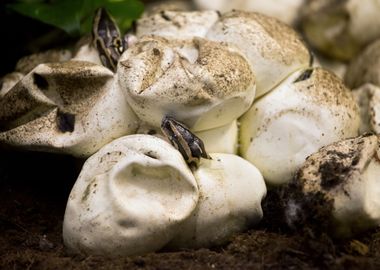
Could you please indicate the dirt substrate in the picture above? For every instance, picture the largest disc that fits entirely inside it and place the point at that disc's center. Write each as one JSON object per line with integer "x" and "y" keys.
{"x": 33, "y": 192}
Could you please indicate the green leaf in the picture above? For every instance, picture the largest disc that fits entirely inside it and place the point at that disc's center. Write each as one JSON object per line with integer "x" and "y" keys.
{"x": 63, "y": 14}
{"x": 123, "y": 11}
{"x": 75, "y": 16}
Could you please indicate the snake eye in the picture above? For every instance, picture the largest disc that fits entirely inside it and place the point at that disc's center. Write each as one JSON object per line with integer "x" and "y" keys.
{"x": 119, "y": 45}
{"x": 188, "y": 144}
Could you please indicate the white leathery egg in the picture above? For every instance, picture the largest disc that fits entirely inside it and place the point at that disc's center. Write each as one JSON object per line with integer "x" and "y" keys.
{"x": 29, "y": 62}
{"x": 231, "y": 190}
{"x": 176, "y": 24}
{"x": 365, "y": 68}
{"x": 368, "y": 98}
{"x": 200, "y": 83}
{"x": 343, "y": 181}
{"x": 308, "y": 110}
{"x": 87, "y": 52}
{"x": 222, "y": 139}
{"x": 8, "y": 81}
{"x": 73, "y": 107}
{"x": 153, "y": 7}
{"x": 131, "y": 197}
{"x": 273, "y": 49}
{"x": 363, "y": 76}
{"x": 284, "y": 10}
{"x": 335, "y": 66}
{"x": 340, "y": 29}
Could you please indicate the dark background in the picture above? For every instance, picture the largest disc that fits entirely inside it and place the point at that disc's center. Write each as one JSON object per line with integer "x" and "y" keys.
{"x": 20, "y": 36}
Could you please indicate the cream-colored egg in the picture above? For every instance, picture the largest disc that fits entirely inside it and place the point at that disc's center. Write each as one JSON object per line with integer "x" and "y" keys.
{"x": 8, "y": 81}
{"x": 337, "y": 67}
{"x": 221, "y": 140}
{"x": 365, "y": 68}
{"x": 231, "y": 190}
{"x": 341, "y": 29}
{"x": 368, "y": 99}
{"x": 87, "y": 52}
{"x": 201, "y": 83}
{"x": 131, "y": 197}
{"x": 176, "y": 24}
{"x": 345, "y": 179}
{"x": 27, "y": 63}
{"x": 73, "y": 107}
{"x": 273, "y": 49}
{"x": 157, "y": 6}
{"x": 308, "y": 110}
{"x": 286, "y": 11}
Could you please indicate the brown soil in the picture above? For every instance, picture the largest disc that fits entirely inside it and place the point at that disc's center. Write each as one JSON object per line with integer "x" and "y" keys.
{"x": 33, "y": 192}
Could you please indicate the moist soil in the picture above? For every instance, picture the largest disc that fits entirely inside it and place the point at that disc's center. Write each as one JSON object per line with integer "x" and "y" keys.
{"x": 34, "y": 188}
